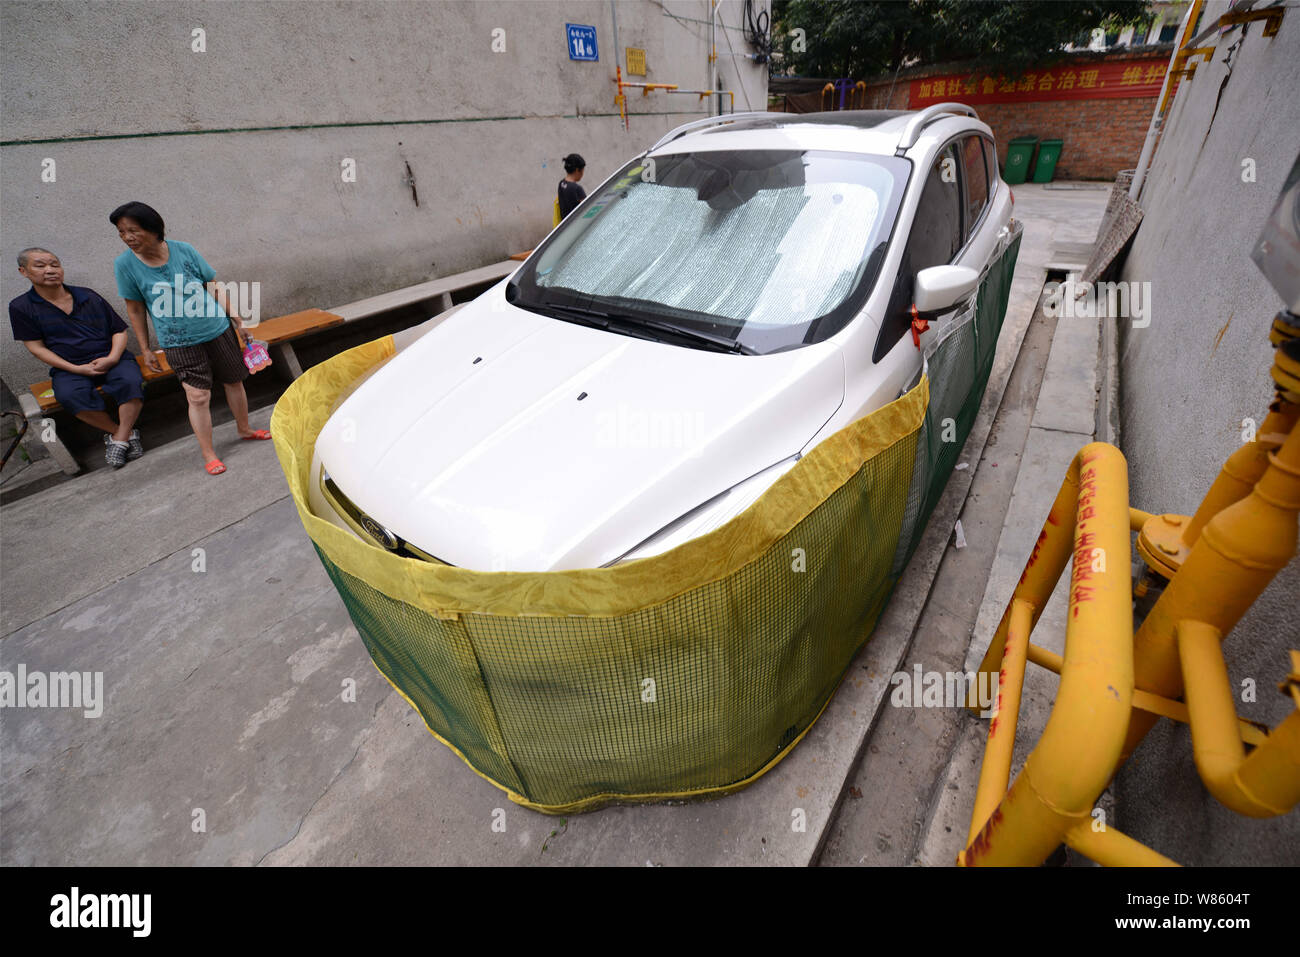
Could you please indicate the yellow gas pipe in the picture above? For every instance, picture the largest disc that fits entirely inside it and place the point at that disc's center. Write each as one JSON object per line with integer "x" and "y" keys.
{"x": 1233, "y": 559}
{"x": 1244, "y": 532}
{"x": 1052, "y": 799}
{"x": 1267, "y": 783}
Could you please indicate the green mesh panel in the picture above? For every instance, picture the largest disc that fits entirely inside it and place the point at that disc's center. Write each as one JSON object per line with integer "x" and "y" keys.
{"x": 741, "y": 667}
{"x": 959, "y": 373}
{"x": 558, "y": 710}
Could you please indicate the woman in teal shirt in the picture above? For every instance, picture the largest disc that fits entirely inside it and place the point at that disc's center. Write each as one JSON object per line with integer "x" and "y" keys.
{"x": 191, "y": 316}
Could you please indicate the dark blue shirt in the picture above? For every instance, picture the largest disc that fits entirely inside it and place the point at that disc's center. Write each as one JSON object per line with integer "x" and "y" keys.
{"x": 86, "y": 334}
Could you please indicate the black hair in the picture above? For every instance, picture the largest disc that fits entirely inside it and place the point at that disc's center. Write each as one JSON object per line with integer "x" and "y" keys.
{"x": 146, "y": 216}
{"x": 574, "y": 162}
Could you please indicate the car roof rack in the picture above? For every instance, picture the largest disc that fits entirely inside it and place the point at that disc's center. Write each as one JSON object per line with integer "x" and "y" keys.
{"x": 931, "y": 114}
{"x": 700, "y": 124}
{"x": 862, "y": 118}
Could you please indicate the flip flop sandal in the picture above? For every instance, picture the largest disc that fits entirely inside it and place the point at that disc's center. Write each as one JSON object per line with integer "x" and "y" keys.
{"x": 215, "y": 467}
{"x": 257, "y": 434}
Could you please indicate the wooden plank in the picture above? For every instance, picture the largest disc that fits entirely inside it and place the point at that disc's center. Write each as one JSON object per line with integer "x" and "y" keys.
{"x": 149, "y": 374}
{"x": 424, "y": 290}
{"x": 43, "y": 392}
{"x": 295, "y": 324}
{"x": 520, "y": 257}
{"x": 272, "y": 332}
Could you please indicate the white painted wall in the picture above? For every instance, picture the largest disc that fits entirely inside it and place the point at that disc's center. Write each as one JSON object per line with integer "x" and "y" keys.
{"x": 240, "y": 147}
{"x": 1192, "y": 376}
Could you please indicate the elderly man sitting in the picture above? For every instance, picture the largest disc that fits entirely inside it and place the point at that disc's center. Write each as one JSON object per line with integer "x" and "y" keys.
{"x": 83, "y": 340}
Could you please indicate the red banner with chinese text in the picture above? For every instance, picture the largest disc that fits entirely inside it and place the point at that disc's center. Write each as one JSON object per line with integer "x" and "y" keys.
{"x": 1084, "y": 81}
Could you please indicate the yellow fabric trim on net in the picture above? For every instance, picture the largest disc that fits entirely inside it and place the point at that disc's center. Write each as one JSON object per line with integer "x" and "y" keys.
{"x": 477, "y": 683}
{"x": 304, "y": 408}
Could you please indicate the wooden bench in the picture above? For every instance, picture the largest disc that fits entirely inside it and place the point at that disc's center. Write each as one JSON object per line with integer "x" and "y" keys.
{"x": 277, "y": 332}
{"x": 39, "y": 402}
{"x": 436, "y": 292}
{"x": 44, "y": 391}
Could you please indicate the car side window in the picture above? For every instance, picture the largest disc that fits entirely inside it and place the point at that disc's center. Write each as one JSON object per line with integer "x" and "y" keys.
{"x": 991, "y": 163}
{"x": 934, "y": 240}
{"x": 977, "y": 181}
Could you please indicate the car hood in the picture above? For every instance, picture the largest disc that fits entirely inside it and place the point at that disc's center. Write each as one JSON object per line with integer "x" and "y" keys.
{"x": 507, "y": 440}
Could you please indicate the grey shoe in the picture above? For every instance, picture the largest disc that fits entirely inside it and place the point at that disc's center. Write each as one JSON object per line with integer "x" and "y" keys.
{"x": 115, "y": 451}
{"x": 137, "y": 447}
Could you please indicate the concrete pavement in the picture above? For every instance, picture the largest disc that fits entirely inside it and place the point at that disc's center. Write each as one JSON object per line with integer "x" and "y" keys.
{"x": 918, "y": 771}
{"x": 244, "y": 722}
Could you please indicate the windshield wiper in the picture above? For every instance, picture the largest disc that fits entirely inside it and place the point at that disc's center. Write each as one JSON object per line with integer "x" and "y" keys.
{"x": 721, "y": 343}
{"x": 584, "y": 317}
{"x": 603, "y": 320}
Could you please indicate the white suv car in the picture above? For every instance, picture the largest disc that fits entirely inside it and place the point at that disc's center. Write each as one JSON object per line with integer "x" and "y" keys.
{"x": 724, "y": 302}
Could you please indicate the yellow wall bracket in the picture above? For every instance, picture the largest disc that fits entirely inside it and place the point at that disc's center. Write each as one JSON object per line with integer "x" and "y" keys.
{"x": 1271, "y": 15}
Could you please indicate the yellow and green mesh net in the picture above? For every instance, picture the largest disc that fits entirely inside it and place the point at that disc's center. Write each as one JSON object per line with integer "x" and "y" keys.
{"x": 686, "y": 674}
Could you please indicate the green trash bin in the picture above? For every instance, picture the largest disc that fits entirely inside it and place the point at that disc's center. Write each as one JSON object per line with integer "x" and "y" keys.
{"x": 1020, "y": 151}
{"x": 1049, "y": 151}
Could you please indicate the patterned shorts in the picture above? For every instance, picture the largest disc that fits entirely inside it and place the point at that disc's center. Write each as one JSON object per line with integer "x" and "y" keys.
{"x": 220, "y": 357}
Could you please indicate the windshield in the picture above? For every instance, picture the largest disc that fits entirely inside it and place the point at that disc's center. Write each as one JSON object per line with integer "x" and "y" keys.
{"x": 764, "y": 250}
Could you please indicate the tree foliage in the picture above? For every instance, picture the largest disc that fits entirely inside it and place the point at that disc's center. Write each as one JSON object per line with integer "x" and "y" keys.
{"x": 861, "y": 38}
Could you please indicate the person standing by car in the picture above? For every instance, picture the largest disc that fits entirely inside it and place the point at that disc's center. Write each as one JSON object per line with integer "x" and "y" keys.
{"x": 82, "y": 339}
{"x": 571, "y": 194}
{"x": 191, "y": 316}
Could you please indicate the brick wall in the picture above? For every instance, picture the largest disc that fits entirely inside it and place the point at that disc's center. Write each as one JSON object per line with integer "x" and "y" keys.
{"x": 1101, "y": 137}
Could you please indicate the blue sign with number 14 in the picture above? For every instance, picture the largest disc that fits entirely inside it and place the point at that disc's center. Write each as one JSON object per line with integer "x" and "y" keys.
{"x": 582, "y": 42}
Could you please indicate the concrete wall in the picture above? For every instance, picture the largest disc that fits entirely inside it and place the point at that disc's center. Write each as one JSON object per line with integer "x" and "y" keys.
{"x": 1188, "y": 381}
{"x": 240, "y": 147}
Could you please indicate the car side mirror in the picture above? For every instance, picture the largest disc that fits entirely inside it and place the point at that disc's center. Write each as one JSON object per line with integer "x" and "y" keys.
{"x": 942, "y": 287}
